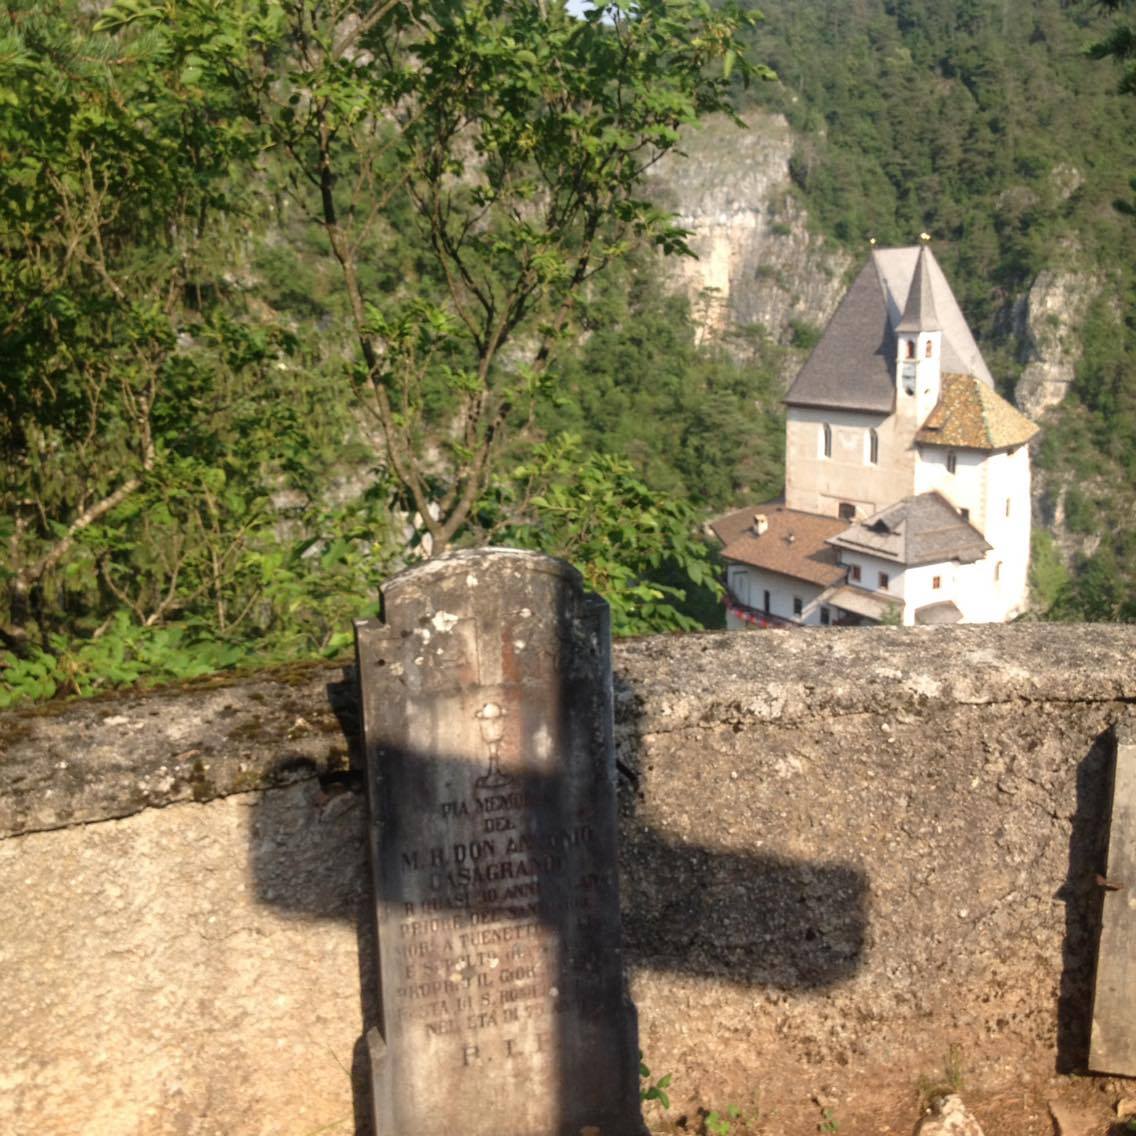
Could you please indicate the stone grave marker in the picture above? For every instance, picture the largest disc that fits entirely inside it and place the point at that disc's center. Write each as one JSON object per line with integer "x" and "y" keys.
{"x": 1113, "y": 1041}
{"x": 487, "y": 715}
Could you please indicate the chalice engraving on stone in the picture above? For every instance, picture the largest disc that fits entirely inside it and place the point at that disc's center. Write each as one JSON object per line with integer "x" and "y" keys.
{"x": 492, "y": 720}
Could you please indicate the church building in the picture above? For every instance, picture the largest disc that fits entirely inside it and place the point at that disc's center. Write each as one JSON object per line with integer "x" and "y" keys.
{"x": 907, "y": 480}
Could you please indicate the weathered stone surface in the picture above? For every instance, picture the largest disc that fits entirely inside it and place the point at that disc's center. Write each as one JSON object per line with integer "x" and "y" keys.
{"x": 488, "y": 718}
{"x": 74, "y": 762}
{"x": 842, "y": 851}
{"x": 848, "y": 850}
{"x": 1047, "y": 321}
{"x": 191, "y": 971}
{"x": 757, "y": 266}
{"x": 949, "y": 1117}
{"x": 1069, "y": 1120}
{"x": 1113, "y": 1046}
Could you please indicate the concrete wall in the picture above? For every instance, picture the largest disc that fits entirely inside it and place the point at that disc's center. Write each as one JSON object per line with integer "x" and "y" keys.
{"x": 842, "y": 852}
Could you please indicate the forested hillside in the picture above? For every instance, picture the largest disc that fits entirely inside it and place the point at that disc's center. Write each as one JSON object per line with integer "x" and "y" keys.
{"x": 292, "y": 295}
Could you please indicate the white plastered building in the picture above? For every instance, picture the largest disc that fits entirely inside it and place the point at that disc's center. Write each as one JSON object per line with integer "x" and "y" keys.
{"x": 907, "y": 482}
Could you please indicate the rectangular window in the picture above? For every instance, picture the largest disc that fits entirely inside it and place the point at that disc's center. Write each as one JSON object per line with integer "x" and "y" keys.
{"x": 826, "y": 440}
{"x": 952, "y": 461}
{"x": 825, "y": 616}
{"x": 883, "y": 581}
{"x": 873, "y": 447}
{"x": 854, "y": 572}
{"x": 846, "y": 511}
{"x": 798, "y": 605}
{"x": 936, "y": 582}
{"x": 768, "y": 604}
{"x": 965, "y": 514}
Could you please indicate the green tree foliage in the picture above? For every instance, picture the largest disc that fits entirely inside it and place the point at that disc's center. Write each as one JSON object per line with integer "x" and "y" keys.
{"x": 511, "y": 138}
{"x": 1119, "y": 43}
{"x": 284, "y": 287}
{"x": 636, "y": 546}
{"x": 983, "y": 124}
{"x": 703, "y": 423}
{"x": 116, "y": 359}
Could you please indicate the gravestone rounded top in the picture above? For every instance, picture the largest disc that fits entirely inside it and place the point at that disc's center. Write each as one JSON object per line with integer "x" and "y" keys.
{"x": 475, "y": 563}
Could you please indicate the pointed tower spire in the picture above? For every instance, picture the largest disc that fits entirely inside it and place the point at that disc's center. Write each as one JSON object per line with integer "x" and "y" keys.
{"x": 919, "y": 337}
{"x": 919, "y": 312}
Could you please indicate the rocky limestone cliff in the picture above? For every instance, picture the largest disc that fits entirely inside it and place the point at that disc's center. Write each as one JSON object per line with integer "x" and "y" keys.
{"x": 1046, "y": 323}
{"x": 758, "y": 265}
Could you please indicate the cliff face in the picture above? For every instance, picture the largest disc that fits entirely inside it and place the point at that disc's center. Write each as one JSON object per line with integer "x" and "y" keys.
{"x": 760, "y": 270}
{"x": 1046, "y": 323}
{"x": 758, "y": 266}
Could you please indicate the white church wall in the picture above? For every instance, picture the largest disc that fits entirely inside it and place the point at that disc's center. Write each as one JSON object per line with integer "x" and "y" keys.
{"x": 870, "y": 568}
{"x": 921, "y": 589}
{"x": 1008, "y": 530}
{"x": 965, "y": 488}
{"x": 980, "y": 596}
{"x": 749, "y": 586}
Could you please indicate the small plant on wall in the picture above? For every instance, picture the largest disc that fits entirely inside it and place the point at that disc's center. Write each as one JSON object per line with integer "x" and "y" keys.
{"x": 653, "y": 1092}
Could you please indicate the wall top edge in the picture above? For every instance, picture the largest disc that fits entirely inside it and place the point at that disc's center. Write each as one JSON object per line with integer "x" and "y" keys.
{"x": 88, "y": 761}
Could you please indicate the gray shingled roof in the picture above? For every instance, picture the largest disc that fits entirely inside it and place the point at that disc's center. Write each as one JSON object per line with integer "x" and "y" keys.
{"x": 938, "y": 614}
{"x": 926, "y": 529}
{"x": 859, "y": 601}
{"x": 919, "y": 312}
{"x": 853, "y": 365}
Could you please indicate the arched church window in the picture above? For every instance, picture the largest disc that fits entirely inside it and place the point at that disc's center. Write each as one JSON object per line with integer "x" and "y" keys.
{"x": 873, "y": 447}
{"x": 826, "y": 440}
{"x": 911, "y": 349}
{"x": 927, "y": 349}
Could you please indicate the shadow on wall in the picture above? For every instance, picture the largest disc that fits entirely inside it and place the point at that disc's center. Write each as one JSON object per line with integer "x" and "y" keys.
{"x": 759, "y": 919}
{"x": 754, "y": 919}
{"x": 297, "y": 865}
{"x": 1084, "y": 900}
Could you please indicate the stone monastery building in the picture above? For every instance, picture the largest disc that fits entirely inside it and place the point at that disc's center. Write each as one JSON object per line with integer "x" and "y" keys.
{"x": 907, "y": 483}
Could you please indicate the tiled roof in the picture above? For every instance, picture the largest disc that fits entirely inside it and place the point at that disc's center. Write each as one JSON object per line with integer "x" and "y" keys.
{"x": 853, "y": 365}
{"x": 972, "y": 416}
{"x": 795, "y": 543}
{"x": 926, "y": 529}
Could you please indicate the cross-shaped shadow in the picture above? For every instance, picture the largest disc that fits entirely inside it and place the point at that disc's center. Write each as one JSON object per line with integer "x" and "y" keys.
{"x": 754, "y": 918}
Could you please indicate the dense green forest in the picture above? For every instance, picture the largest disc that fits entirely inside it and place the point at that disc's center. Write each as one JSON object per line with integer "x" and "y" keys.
{"x": 292, "y": 295}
